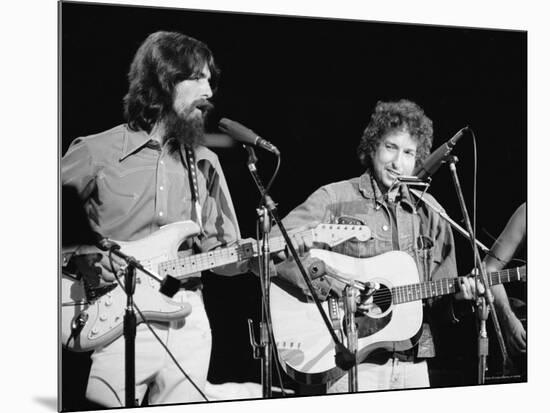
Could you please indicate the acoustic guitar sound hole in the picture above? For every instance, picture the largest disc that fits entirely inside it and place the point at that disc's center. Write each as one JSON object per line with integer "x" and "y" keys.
{"x": 372, "y": 315}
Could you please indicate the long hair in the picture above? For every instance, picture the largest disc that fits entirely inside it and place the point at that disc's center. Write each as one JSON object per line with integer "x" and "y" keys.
{"x": 163, "y": 60}
{"x": 390, "y": 116}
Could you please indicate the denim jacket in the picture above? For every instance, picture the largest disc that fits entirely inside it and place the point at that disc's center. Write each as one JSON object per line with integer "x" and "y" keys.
{"x": 421, "y": 233}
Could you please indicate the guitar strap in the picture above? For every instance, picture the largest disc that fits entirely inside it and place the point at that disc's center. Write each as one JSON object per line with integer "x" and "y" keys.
{"x": 196, "y": 213}
{"x": 192, "y": 282}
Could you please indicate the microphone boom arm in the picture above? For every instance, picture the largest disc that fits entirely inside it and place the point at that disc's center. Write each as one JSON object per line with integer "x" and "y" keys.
{"x": 447, "y": 218}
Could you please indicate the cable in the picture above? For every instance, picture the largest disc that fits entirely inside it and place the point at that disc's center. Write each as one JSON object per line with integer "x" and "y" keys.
{"x": 474, "y": 210}
{"x": 274, "y": 174}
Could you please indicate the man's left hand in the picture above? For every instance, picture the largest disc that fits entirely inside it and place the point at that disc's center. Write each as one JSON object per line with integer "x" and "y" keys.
{"x": 468, "y": 290}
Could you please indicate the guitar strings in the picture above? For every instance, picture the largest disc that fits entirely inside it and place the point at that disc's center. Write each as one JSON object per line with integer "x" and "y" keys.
{"x": 414, "y": 292}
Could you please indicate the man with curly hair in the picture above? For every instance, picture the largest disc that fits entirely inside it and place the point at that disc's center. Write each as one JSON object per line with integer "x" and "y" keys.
{"x": 139, "y": 176}
{"x": 397, "y": 138}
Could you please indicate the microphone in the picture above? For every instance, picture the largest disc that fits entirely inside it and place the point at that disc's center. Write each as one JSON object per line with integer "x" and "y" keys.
{"x": 247, "y": 136}
{"x": 434, "y": 161}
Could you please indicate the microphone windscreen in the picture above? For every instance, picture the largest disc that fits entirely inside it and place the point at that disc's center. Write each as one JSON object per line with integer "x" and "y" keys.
{"x": 237, "y": 131}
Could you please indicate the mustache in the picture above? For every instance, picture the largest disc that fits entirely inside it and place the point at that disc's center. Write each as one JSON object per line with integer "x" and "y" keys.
{"x": 203, "y": 105}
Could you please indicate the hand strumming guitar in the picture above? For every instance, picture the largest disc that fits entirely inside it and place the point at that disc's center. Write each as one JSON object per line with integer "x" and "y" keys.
{"x": 94, "y": 265}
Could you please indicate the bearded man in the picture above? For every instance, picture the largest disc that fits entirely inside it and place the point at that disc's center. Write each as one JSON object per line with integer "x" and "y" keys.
{"x": 139, "y": 176}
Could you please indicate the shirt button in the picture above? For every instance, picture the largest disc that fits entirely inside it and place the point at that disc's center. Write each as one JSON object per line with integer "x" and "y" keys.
{"x": 162, "y": 162}
{"x": 161, "y": 188}
{"x": 385, "y": 227}
{"x": 160, "y": 214}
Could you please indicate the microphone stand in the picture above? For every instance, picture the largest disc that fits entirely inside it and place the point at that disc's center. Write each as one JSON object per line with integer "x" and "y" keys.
{"x": 447, "y": 218}
{"x": 354, "y": 292}
{"x": 130, "y": 337}
{"x": 263, "y": 349}
{"x": 350, "y": 306}
{"x": 130, "y": 320}
{"x": 487, "y": 297}
{"x": 344, "y": 358}
{"x": 265, "y": 326}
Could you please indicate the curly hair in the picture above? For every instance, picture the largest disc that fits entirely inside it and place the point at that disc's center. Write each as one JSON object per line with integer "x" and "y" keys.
{"x": 390, "y": 116}
{"x": 163, "y": 60}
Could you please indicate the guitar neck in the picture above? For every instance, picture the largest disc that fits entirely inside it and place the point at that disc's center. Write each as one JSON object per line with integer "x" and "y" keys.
{"x": 207, "y": 260}
{"x": 330, "y": 234}
{"x": 223, "y": 256}
{"x": 445, "y": 286}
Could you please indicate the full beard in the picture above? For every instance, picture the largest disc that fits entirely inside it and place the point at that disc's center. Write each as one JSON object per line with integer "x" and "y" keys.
{"x": 183, "y": 129}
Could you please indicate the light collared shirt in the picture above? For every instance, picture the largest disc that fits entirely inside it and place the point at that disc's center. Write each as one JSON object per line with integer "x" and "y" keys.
{"x": 130, "y": 186}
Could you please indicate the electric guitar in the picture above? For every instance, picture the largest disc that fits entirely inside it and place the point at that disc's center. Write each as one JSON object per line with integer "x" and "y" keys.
{"x": 93, "y": 317}
{"x": 391, "y": 319}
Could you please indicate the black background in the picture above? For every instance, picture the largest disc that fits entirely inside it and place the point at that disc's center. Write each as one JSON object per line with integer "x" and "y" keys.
{"x": 309, "y": 86}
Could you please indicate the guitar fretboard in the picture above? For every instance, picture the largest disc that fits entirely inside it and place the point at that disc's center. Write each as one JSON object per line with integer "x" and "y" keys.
{"x": 207, "y": 260}
{"x": 327, "y": 233}
{"x": 444, "y": 286}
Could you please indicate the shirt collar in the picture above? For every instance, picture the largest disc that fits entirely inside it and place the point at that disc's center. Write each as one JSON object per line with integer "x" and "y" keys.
{"x": 134, "y": 141}
{"x": 370, "y": 190}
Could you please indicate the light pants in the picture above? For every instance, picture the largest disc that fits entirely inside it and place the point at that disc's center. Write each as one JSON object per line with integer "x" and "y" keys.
{"x": 394, "y": 374}
{"x": 190, "y": 342}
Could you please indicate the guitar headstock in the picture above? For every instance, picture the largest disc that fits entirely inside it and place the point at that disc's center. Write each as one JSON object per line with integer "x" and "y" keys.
{"x": 334, "y": 234}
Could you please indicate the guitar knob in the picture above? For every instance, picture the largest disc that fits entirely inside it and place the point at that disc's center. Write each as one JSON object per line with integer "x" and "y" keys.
{"x": 108, "y": 303}
{"x": 94, "y": 331}
{"x": 102, "y": 317}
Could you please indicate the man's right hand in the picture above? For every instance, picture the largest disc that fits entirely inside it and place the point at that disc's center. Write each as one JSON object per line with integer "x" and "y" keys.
{"x": 96, "y": 266}
{"x": 322, "y": 286}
